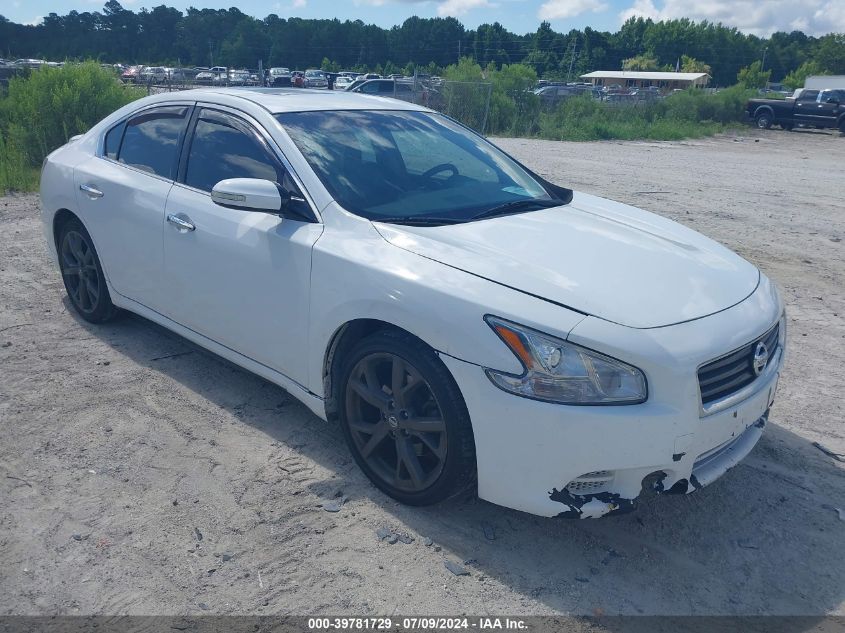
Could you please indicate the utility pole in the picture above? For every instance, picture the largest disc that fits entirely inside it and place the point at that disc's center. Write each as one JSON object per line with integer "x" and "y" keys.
{"x": 572, "y": 60}
{"x": 763, "y": 63}
{"x": 459, "y": 51}
{"x": 211, "y": 53}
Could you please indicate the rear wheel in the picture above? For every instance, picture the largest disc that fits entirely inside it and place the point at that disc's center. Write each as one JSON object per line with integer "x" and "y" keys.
{"x": 405, "y": 420}
{"x": 82, "y": 274}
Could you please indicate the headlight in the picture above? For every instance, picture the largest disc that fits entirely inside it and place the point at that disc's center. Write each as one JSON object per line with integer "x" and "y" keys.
{"x": 562, "y": 372}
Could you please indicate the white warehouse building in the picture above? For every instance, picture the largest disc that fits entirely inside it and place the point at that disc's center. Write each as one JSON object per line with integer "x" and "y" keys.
{"x": 640, "y": 79}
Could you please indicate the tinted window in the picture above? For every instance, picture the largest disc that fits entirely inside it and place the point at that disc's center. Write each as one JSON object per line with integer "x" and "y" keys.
{"x": 399, "y": 164}
{"x": 809, "y": 95}
{"x": 151, "y": 140}
{"x": 222, "y": 147}
{"x": 112, "y": 142}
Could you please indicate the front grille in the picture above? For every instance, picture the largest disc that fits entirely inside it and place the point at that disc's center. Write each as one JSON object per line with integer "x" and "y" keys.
{"x": 728, "y": 374}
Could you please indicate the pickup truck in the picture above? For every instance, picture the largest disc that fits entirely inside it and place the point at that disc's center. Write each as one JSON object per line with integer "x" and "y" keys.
{"x": 809, "y": 108}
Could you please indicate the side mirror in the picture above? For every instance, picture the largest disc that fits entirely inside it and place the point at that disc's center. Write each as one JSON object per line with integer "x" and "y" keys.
{"x": 250, "y": 194}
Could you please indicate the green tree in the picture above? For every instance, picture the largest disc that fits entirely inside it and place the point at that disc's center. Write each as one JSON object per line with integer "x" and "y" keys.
{"x": 797, "y": 77}
{"x": 640, "y": 62}
{"x": 753, "y": 76}
{"x": 691, "y": 65}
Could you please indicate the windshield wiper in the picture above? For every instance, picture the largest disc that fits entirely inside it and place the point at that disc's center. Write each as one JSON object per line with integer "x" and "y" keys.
{"x": 420, "y": 220}
{"x": 515, "y": 206}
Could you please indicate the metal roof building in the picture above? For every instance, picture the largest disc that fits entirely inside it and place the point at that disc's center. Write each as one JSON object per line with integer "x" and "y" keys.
{"x": 639, "y": 79}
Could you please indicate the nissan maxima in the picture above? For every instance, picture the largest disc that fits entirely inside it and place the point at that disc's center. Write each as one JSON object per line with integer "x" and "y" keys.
{"x": 466, "y": 321}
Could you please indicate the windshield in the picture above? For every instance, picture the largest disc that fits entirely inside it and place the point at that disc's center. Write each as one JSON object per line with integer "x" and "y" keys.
{"x": 400, "y": 165}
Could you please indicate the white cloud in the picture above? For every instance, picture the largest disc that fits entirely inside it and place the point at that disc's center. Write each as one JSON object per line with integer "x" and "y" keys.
{"x": 562, "y": 9}
{"x": 38, "y": 19}
{"x": 460, "y": 7}
{"x": 814, "y": 17}
{"x": 284, "y": 7}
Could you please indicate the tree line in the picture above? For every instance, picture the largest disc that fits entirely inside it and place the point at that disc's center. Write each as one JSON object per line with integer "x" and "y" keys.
{"x": 205, "y": 37}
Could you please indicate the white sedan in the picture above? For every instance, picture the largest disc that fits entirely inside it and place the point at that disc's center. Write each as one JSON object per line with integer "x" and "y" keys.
{"x": 466, "y": 321}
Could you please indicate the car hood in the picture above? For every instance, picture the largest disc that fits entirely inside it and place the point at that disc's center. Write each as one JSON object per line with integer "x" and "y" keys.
{"x": 599, "y": 257}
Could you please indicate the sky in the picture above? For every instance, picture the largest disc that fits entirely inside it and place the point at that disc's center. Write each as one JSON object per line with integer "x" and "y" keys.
{"x": 759, "y": 17}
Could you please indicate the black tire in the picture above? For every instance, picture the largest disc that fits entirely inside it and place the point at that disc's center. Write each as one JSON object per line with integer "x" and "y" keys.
{"x": 787, "y": 126}
{"x": 82, "y": 274}
{"x": 443, "y": 460}
{"x": 764, "y": 120}
{"x": 842, "y": 126}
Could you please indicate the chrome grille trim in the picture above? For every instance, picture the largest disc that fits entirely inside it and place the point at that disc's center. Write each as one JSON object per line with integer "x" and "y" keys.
{"x": 728, "y": 374}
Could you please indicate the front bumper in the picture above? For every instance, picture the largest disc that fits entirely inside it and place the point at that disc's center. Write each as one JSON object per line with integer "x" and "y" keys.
{"x": 588, "y": 462}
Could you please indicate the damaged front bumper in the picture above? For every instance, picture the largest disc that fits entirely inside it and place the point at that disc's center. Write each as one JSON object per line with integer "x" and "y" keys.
{"x": 706, "y": 469}
{"x": 589, "y": 462}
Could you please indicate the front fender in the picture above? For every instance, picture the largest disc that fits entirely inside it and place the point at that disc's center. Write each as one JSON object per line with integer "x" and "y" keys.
{"x": 357, "y": 274}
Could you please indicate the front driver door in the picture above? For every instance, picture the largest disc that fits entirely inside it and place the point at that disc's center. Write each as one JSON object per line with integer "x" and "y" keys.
{"x": 240, "y": 278}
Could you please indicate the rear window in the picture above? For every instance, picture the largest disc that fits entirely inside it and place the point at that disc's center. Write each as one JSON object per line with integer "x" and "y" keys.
{"x": 151, "y": 140}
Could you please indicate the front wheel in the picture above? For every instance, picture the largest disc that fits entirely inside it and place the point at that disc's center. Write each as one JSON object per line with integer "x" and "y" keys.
{"x": 405, "y": 420}
{"x": 82, "y": 274}
{"x": 764, "y": 120}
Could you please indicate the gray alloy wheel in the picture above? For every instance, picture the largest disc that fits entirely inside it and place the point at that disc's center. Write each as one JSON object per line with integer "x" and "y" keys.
{"x": 395, "y": 422}
{"x": 764, "y": 120}
{"x": 79, "y": 268}
{"x": 82, "y": 274}
{"x": 404, "y": 418}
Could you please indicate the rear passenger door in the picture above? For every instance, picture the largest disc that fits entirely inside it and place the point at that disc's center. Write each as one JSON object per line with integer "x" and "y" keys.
{"x": 805, "y": 107}
{"x": 122, "y": 193}
{"x": 829, "y": 107}
{"x": 240, "y": 278}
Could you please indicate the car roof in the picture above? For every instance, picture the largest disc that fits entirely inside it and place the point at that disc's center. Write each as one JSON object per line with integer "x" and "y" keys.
{"x": 277, "y": 100}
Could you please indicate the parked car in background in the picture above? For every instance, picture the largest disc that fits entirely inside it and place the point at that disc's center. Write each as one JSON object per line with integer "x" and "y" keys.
{"x": 467, "y": 322}
{"x": 811, "y": 108}
{"x": 342, "y": 82}
{"x": 239, "y": 77}
{"x": 176, "y": 74}
{"x": 215, "y": 74}
{"x": 30, "y": 63}
{"x": 315, "y": 79}
{"x": 279, "y": 77}
{"x": 153, "y": 74}
{"x": 132, "y": 74}
{"x": 386, "y": 88}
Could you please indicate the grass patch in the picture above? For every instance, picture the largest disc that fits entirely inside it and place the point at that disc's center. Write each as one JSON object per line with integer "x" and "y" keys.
{"x": 689, "y": 114}
{"x": 43, "y": 109}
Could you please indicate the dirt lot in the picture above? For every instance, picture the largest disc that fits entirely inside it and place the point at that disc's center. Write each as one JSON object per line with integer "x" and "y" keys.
{"x": 141, "y": 475}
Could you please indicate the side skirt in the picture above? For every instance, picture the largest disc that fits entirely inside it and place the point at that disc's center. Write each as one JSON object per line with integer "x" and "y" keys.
{"x": 315, "y": 403}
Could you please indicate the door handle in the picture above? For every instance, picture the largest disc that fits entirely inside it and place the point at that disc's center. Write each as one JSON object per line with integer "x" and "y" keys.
{"x": 92, "y": 192}
{"x": 181, "y": 222}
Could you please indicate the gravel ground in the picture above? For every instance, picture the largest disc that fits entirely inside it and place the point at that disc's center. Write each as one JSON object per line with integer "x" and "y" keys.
{"x": 141, "y": 475}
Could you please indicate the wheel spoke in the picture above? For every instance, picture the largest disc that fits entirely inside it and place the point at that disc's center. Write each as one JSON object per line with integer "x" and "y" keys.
{"x": 424, "y": 425}
{"x": 379, "y": 432}
{"x": 397, "y": 381}
{"x": 75, "y": 243}
{"x": 438, "y": 449}
{"x": 375, "y": 397}
{"x": 81, "y": 295}
{"x": 93, "y": 290}
{"x": 71, "y": 271}
{"x": 405, "y": 455}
